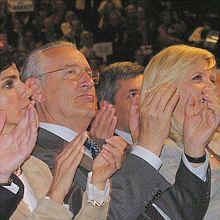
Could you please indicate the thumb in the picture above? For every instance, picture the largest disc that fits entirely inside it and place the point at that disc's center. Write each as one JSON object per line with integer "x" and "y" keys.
{"x": 134, "y": 122}
{"x": 135, "y": 103}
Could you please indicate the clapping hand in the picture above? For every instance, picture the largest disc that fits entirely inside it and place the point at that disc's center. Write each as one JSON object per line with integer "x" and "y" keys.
{"x": 213, "y": 102}
{"x": 103, "y": 126}
{"x": 66, "y": 166}
{"x": 134, "y": 122}
{"x": 16, "y": 146}
{"x": 198, "y": 128}
{"x": 108, "y": 161}
{"x": 155, "y": 117}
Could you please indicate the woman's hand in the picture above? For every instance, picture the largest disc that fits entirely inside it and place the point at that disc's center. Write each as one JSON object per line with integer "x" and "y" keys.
{"x": 198, "y": 129}
{"x": 134, "y": 116}
{"x": 16, "y": 146}
{"x": 213, "y": 101}
{"x": 108, "y": 161}
{"x": 155, "y": 119}
{"x": 66, "y": 165}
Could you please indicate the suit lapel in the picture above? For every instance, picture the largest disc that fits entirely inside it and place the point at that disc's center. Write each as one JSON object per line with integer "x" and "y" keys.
{"x": 50, "y": 145}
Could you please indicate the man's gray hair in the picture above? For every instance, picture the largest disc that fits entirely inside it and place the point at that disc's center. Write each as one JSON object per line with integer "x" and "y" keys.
{"x": 35, "y": 62}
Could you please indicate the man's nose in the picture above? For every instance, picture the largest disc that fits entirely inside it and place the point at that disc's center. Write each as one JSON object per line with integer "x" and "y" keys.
{"x": 87, "y": 81}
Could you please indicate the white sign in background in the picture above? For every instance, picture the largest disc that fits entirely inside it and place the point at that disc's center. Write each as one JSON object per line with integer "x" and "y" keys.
{"x": 20, "y": 5}
{"x": 103, "y": 49}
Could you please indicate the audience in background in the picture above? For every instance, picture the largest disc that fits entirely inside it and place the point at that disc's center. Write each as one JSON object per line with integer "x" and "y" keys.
{"x": 129, "y": 25}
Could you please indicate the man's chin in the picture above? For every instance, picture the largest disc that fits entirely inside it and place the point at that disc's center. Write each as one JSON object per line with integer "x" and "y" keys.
{"x": 88, "y": 110}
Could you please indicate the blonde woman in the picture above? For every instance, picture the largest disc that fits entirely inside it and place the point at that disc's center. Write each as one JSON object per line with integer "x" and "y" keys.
{"x": 193, "y": 71}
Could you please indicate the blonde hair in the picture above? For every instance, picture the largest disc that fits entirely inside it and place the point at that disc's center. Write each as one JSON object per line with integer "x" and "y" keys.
{"x": 171, "y": 65}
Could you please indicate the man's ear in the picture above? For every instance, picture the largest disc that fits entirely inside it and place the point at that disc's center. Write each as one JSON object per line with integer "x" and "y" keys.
{"x": 35, "y": 85}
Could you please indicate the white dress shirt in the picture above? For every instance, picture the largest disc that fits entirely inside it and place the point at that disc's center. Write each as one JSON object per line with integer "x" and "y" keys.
{"x": 126, "y": 136}
{"x": 13, "y": 188}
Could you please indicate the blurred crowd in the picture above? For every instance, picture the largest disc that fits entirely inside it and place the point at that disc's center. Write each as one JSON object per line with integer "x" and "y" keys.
{"x": 137, "y": 29}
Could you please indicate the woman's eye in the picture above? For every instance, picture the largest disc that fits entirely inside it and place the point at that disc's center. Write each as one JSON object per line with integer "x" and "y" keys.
{"x": 198, "y": 77}
{"x": 8, "y": 84}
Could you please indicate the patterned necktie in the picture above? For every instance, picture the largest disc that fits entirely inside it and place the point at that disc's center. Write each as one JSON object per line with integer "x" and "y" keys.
{"x": 92, "y": 147}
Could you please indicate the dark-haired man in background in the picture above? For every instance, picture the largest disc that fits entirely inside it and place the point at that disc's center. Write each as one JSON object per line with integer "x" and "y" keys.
{"x": 118, "y": 84}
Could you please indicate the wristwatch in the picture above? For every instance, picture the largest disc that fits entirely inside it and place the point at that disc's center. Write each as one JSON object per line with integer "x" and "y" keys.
{"x": 96, "y": 203}
{"x": 196, "y": 159}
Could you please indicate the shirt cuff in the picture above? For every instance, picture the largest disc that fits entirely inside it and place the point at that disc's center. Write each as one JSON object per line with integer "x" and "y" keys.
{"x": 13, "y": 188}
{"x": 147, "y": 155}
{"x": 200, "y": 171}
{"x": 64, "y": 205}
{"x": 94, "y": 193}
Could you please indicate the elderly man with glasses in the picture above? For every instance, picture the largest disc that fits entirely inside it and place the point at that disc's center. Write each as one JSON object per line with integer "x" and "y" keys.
{"x": 62, "y": 84}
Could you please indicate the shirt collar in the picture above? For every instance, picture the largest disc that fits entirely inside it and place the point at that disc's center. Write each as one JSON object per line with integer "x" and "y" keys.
{"x": 126, "y": 136}
{"x": 61, "y": 131}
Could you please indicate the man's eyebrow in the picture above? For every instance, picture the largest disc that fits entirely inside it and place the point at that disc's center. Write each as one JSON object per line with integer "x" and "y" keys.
{"x": 68, "y": 65}
{"x": 9, "y": 77}
{"x": 75, "y": 66}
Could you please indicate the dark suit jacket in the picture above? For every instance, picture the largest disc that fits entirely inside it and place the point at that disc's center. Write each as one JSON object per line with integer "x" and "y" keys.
{"x": 8, "y": 200}
{"x": 47, "y": 148}
{"x": 137, "y": 185}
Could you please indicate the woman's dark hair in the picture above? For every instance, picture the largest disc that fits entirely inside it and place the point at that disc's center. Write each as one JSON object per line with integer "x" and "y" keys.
{"x": 8, "y": 56}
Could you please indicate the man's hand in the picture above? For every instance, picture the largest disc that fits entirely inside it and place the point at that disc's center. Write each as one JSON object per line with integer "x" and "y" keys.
{"x": 66, "y": 165}
{"x": 108, "y": 161}
{"x": 16, "y": 146}
{"x": 103, "y": 126}
{"x": 198, "y": 129}
{"x": 155, "y": 119}
{"x": 134, "y": 122}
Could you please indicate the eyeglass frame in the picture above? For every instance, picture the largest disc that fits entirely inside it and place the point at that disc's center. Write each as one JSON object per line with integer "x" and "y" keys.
{"x": 90, "y": 73}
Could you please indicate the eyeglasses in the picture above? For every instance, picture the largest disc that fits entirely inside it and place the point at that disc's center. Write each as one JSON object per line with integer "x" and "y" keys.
{"x": 74, "y": 72}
